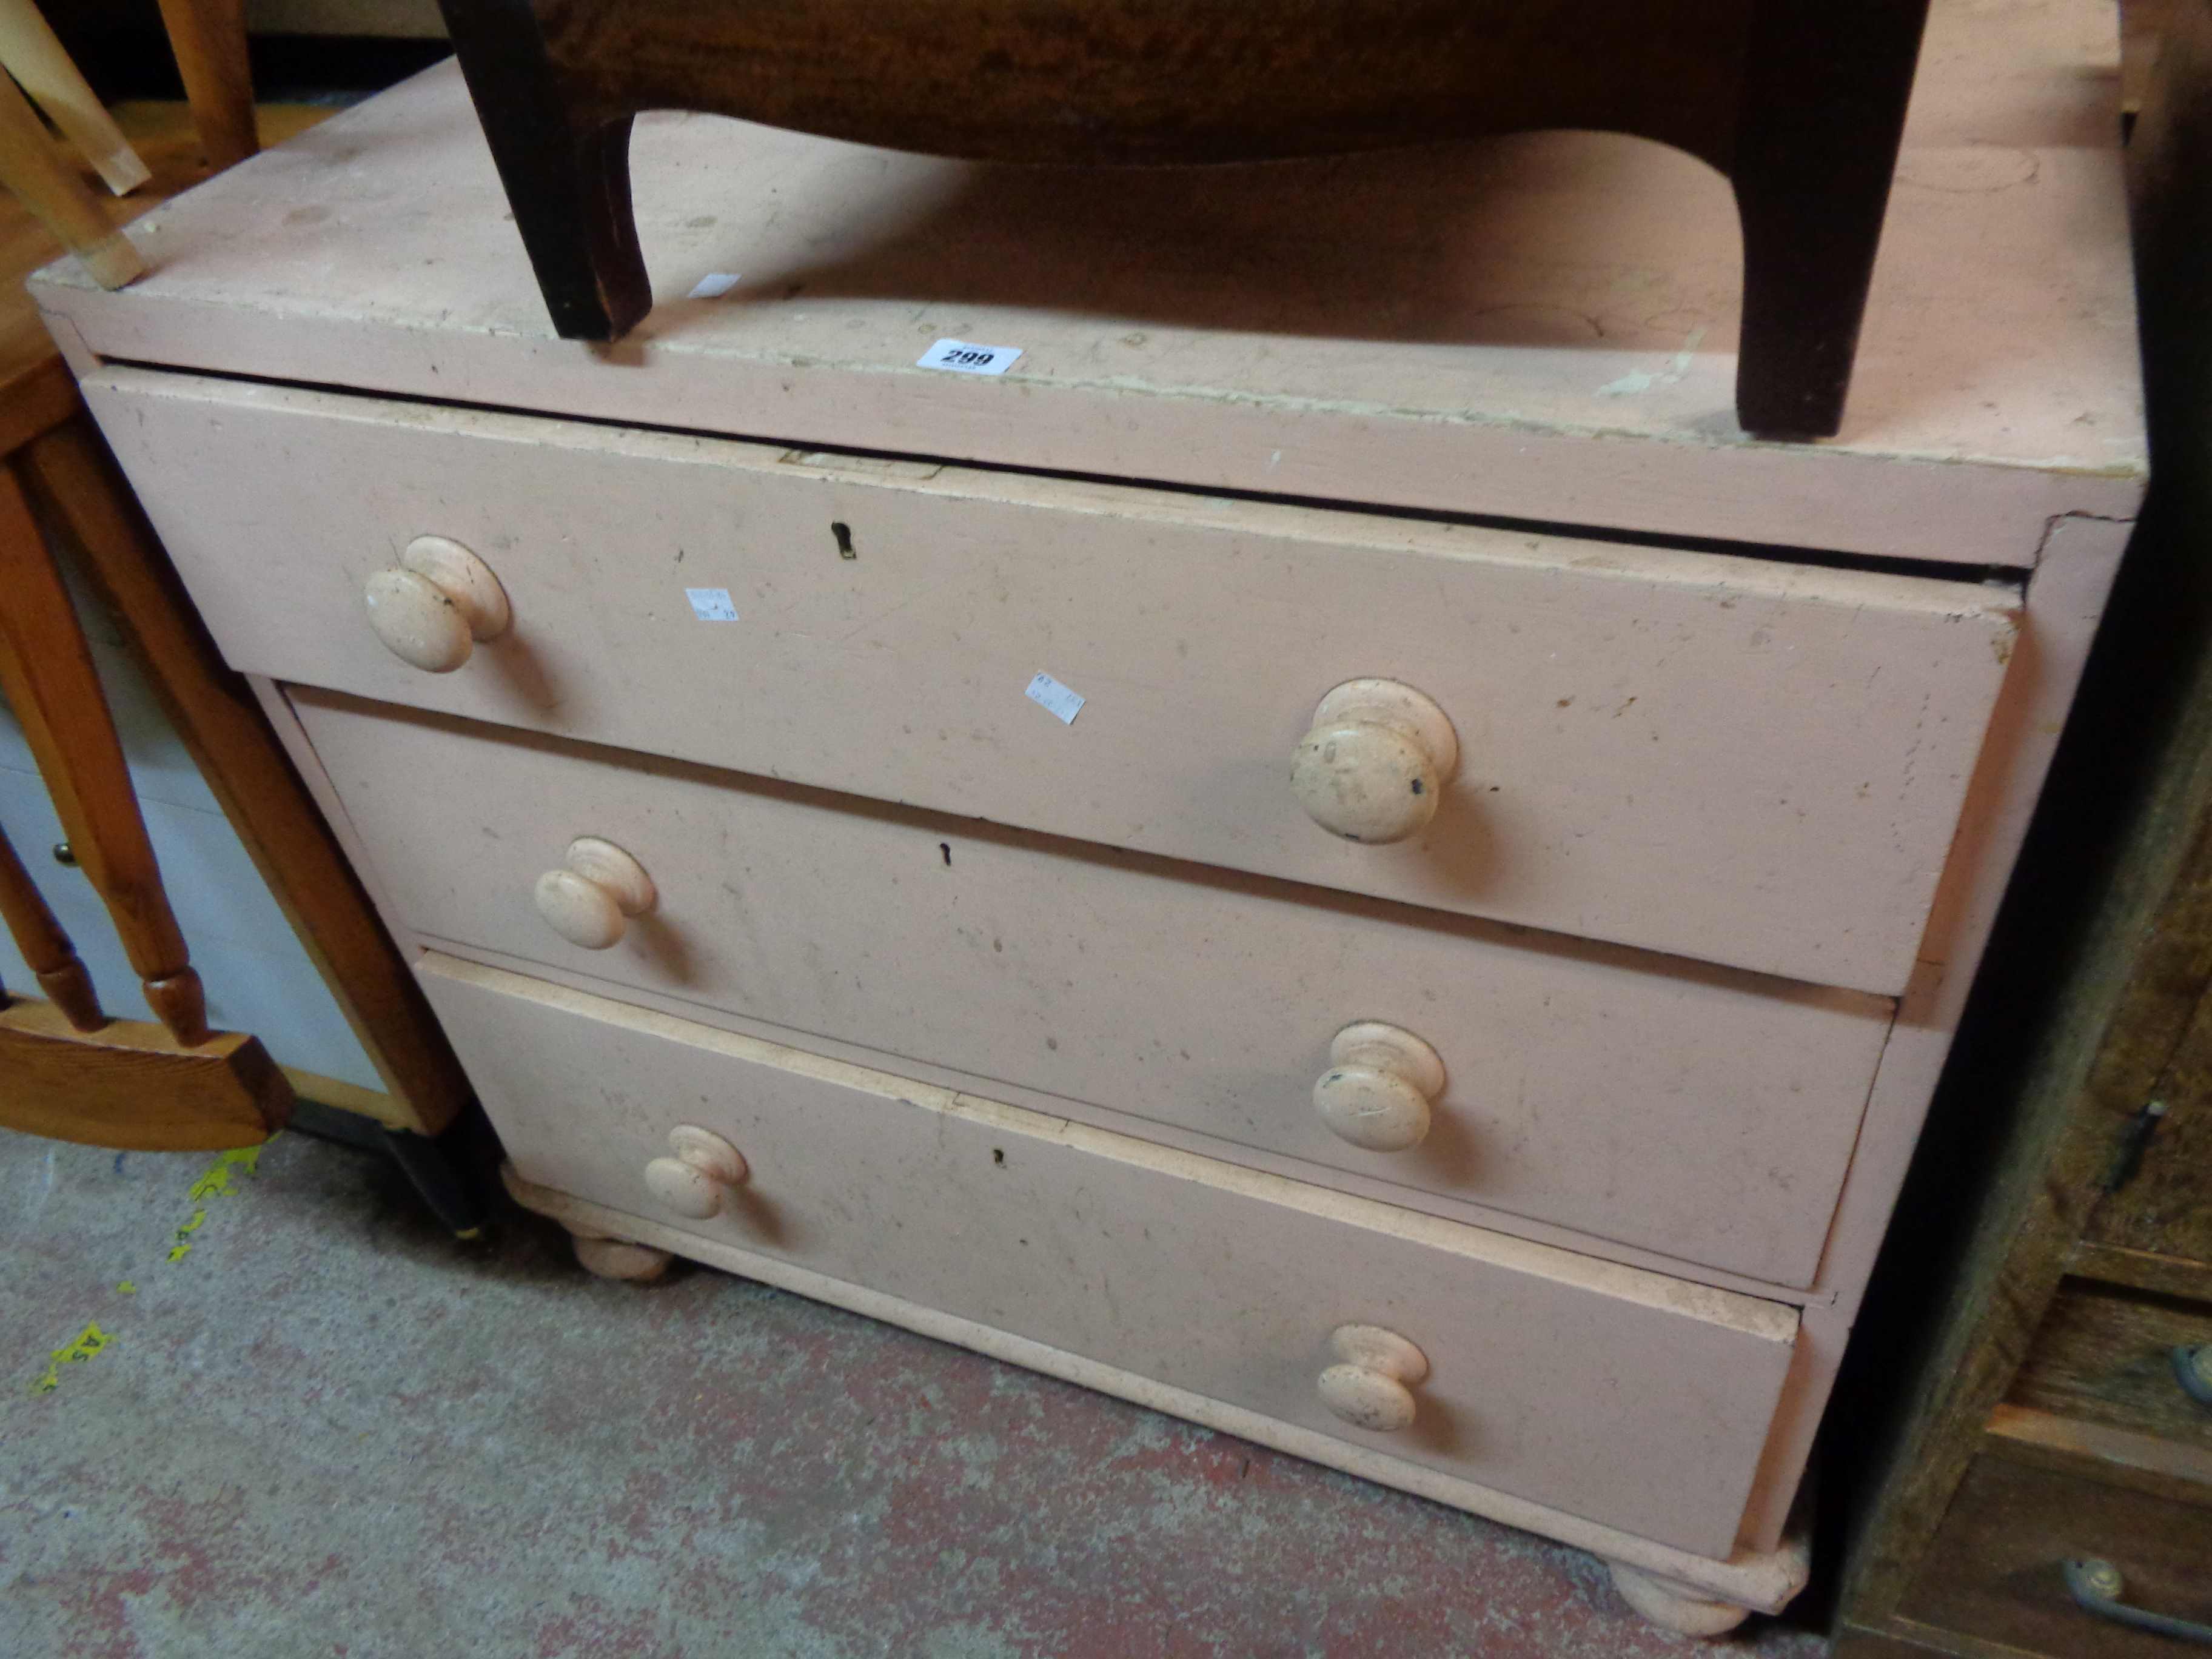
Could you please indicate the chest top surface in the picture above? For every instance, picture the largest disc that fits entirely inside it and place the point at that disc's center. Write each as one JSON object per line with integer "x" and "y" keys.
{"x": 1538, "y": 327}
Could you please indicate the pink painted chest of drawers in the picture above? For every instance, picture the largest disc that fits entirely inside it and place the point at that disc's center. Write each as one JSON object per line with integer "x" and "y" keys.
{"x": 1456, "y": 999}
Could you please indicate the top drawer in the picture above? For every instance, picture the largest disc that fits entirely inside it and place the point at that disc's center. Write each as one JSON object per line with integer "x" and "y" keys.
{"x": 1736, "y": 759}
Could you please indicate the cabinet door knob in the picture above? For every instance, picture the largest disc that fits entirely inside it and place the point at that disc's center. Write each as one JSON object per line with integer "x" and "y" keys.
{"x": 1374, "y": 766}
{"x": 1370, "y": 1387}
{"x": 698, "y": 1179}
{"x": 590, "y": 899}
{"x": 435, "y": 603}
{"x": 1379, "y": 1087}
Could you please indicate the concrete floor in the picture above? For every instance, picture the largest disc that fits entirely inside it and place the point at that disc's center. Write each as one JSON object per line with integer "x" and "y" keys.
{"x": 326, "y": 1429}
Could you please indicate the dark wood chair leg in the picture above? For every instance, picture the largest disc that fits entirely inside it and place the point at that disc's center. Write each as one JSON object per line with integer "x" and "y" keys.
{"x": 567, "y": 172}
{"x": 1826, "y": 88}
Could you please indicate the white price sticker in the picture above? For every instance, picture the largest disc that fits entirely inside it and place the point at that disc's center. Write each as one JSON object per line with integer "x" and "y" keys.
{"x": 1055, "y": 699}
{"x": 715, "y": 284}
{"x": 962, "y": 358}
{"x": 711, "y": 604}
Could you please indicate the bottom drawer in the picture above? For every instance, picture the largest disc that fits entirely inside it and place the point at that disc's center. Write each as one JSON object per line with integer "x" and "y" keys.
{"x": 1627, "y": 1398}
{"x": 1994, "y": 1568}
{"x": 2104, "y": 1353}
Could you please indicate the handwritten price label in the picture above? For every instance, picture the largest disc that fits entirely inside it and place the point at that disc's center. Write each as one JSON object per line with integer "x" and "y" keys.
{"x": 1055, "y": 699}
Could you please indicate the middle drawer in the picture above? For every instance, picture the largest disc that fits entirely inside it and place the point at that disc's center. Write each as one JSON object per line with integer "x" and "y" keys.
{"x": 1704, "y": 1114}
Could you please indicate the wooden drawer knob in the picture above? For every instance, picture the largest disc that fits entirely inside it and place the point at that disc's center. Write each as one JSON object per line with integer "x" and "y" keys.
{"x": 1379, "y": 1087}
{"x": 1370, "y": 1388}
{"x": 698, "y": 1180}
{"x": 1374, "y": 766}
{"x": 432, "y": 608}
{"x": 590, "y": 899}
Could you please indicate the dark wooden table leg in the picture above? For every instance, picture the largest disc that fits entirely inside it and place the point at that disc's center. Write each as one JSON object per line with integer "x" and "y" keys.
{"x": 567, "y": 175}
{"x": 1825, "y": 91}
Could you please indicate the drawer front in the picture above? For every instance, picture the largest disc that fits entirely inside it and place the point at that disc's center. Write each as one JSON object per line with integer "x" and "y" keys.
{"x": 1698, "y": 1112}
{"x": 1738, "y": 760}
{"x": 1623, "y": 1396}
{"x": 2105, "y": 1354}
{"x": 1993, "y": 1570}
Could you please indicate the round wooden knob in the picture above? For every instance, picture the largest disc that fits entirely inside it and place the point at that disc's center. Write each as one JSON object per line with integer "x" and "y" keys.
{"x": 698, "y": 1180}
{"x": 1369, "y": 1388}
{"x": 432, "y": 608}
{"x": 1374, "y": 766}
{"x": 1379, "y": 1087}
{"x": 590, "y": 899}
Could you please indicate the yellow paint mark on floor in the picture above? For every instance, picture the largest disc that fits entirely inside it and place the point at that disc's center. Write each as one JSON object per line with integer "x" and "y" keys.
{"x": 180, "y": 1249}
{"x": 214, "y": 1180}
{"x": 89, "y": 1343}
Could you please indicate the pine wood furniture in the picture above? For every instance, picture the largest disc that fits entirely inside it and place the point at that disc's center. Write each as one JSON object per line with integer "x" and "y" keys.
{"x": 39, "y": 64}
{"x": 209, "y": 40}
{"x": 30, "y": 169}
{"x": 47, "y": 676}
{"x": 67, "y": 1068}
{"x": 207, "y": 36}
{"x": 1531, "y": 1150}
{"x": 73, "y": 1073}
{"x": 71, "y": 1070}
{"x": 2053, "y": 1406}
{"x": 1799, "y": 103}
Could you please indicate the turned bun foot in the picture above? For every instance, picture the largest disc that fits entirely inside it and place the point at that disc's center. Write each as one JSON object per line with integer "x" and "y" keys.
{"x": 1675, "y": 1606}
{"x": 617, "y": 1258}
